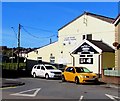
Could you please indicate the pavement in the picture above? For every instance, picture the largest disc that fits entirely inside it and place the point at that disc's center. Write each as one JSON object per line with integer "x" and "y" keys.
{"x": 10, "y": 83}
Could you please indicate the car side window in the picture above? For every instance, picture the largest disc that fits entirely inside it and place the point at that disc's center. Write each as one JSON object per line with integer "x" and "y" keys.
{"x": 38, "y": 67}
{"x": 70, "y": 69}
{"x": 34, "y": 67}
{"x": 42, "y": 68}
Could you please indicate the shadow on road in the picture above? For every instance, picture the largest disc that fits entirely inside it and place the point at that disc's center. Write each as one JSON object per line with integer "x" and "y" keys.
{"x": 15, "y": 73}
{"x": 98, "y": 83}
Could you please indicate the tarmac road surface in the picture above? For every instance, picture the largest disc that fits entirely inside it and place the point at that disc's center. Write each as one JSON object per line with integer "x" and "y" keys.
{"x": 39, "y": 89}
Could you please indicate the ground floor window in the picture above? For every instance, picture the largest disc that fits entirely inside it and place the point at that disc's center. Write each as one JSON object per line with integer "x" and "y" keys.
{"x": 52, "y": 59}
{"x": 39, "y": 59}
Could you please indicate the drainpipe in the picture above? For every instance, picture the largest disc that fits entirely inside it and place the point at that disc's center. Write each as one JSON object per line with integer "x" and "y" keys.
{"x": 73, "y": 59}
{"x": 99, "y": 65}
{"x": 100, "y": 68}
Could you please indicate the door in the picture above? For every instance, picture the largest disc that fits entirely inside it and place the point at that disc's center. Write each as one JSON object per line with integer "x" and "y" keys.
{"x": 42, "y": 71}
{"x": 69, "y": 74}
{"x": 38, "y": 71}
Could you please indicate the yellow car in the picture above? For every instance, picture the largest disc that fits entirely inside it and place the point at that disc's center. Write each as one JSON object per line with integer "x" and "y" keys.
{"x": 79, "y": 75}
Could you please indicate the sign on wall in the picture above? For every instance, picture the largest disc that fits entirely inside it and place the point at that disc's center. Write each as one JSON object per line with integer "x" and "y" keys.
{"x": 86, "y": 60}
{"x": 85, "y": 49}
{"x": 69, "y": 41}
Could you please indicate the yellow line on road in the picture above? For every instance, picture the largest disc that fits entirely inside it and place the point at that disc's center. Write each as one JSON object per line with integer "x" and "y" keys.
{"x": 7, "y": 88}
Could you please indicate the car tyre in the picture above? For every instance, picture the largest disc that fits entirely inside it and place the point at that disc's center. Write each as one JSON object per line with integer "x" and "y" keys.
{"x": 63, "y": 78}
{"x": 46, "y": 76}
{"x": 34, "y": 75}
{"x": 77, "y": 80}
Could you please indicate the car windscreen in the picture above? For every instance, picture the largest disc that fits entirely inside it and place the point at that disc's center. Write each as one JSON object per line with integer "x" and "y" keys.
{"x": 50, "y": 67}
{"x": 82, "y": 70}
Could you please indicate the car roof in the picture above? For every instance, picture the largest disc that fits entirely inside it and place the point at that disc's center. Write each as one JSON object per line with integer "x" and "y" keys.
{"x": 43, "y": 64}
{"x": 75, "y": 67}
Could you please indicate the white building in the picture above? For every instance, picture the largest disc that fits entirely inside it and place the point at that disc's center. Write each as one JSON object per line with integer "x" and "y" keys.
{"x": 87, "y": 35}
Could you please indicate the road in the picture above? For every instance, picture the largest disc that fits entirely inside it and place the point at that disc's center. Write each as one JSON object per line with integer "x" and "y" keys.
{"x": 39, "y": 88}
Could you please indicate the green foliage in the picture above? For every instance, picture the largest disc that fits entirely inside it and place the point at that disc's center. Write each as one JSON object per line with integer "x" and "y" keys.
{"x": 13, "y": 66}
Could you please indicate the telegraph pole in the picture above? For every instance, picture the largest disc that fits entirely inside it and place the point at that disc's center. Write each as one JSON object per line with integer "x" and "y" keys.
{"x": 19, "y": 27}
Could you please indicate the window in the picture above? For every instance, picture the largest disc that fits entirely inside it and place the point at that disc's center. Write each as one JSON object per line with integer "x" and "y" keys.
{"x": 42, "y": 68}
{"x": 84, "y": 37}
{"x": 82, "y": 55}
{"x": 49, "y": 67}
{"x": 39, "y": 58}
{"x": 38, "y": 67}
{"x": 89, "y": 55}
{"x": 82, "y": 70}
{"x": 87, "y": 36}
{"x": 86, "y": 61}
{"x": 34, "y": 67}
{"x": 52, "y": 59}
{"x": 70, "y": 69}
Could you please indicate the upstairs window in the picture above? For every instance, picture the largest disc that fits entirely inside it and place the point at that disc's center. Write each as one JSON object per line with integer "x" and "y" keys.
{"x": 52, "y": 58}
{"x": 84, "y": 37}
{"x": 87, "y": 36}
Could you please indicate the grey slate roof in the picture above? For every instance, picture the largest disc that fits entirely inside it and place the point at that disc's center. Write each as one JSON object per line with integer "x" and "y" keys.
{"x": 103, "y": 46}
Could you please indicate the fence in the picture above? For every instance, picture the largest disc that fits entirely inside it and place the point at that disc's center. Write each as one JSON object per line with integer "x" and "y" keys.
{"x": 112, "y": 73}
{"x": 13, "y": 66}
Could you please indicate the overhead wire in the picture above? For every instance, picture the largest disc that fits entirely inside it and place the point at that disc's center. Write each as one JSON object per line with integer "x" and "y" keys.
{"x": 36, "y": 36}
{"x": 40, "y": 29}
{"x": 14, "y": 32}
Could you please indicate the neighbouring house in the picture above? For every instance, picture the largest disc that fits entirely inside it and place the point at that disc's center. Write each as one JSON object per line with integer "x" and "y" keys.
{"x": 117, "y": 39}
{"x": 85, "y": 41}
{"x": 113, "y": 76}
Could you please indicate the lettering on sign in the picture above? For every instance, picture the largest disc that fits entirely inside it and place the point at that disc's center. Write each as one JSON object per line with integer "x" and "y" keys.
{"x": 69, "y": 40}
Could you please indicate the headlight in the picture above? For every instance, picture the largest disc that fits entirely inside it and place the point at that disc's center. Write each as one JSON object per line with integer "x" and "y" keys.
{"x": 83, "y": 76}
{"x": 52, "y": 72}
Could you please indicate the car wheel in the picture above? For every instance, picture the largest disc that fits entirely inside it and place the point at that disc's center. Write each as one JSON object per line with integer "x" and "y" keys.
{"x": 34, "y": 75}
{"x": 47, "y": 76}
{"x": 77, "y": 80}
{"x": 63, "y": 78}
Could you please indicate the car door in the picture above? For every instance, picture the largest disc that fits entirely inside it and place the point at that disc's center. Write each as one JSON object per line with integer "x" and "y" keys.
{"x": 38, "y": 71}
{"x": 69, "y": 74}
{"x": 42, "y": 71}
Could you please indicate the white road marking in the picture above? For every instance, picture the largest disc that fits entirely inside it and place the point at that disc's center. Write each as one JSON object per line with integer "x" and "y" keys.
{"x": 112, "y": 97}
{"x": 29, "y": 95}
{"x": 12, "y": 79}
{"x": 81, "y": 97}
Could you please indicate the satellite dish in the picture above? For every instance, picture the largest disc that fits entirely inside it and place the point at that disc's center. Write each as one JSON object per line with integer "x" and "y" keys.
{"x": 116, "y": 44}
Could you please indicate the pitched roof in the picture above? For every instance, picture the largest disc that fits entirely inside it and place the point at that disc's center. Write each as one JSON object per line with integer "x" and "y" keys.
{"x": 117, "y": 20}
{"x": 101, "y": 17}
{"x": 103, "y": 46}
{"x": 96, "y": 46}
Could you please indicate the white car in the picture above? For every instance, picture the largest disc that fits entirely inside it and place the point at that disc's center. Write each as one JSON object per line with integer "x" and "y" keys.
{"x": 45, "y": 70}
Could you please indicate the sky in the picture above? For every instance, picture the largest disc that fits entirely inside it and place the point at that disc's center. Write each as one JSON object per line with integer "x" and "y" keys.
{"x": 40, "y": 21}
